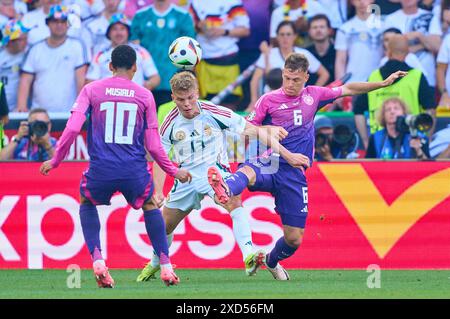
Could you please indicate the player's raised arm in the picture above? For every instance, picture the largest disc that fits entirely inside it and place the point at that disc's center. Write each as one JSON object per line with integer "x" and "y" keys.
{"x": 271, "y": 140}
{"x": 71, "y": 131}
{"x": 364, "y": 87}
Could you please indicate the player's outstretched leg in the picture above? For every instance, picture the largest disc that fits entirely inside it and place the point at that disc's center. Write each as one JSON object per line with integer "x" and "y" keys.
{"x": 156, "y": 230}
{"x": 90, "y": 225}
{"x": 233, "y": 186}
{"x": 152, "y": 267}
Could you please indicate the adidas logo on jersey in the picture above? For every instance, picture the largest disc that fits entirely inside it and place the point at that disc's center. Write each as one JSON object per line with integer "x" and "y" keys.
{"x": 283, "y": 107}
{"x": 304, "y": 210}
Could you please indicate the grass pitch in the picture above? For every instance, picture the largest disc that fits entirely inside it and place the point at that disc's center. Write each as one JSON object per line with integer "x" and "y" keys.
{"x": 226, "y": 284}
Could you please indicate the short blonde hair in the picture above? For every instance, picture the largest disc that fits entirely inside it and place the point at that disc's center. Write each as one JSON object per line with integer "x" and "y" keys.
{"x": 382, "y": 110}
{"x": 183, "y": 81}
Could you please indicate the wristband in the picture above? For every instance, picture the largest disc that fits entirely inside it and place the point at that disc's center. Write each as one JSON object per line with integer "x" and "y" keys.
{"x": 15, "y": 139}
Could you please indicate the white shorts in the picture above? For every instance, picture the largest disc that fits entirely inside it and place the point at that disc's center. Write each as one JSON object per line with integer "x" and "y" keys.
{"x": 187, "y": 196}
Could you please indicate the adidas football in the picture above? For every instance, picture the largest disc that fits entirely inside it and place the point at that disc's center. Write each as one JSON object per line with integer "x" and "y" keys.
{"x": 185, "y": 53}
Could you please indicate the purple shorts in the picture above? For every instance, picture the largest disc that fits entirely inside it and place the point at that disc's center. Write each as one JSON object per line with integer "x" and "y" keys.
{"x": 289, "y": 188}
{"x": 136, "y": 191}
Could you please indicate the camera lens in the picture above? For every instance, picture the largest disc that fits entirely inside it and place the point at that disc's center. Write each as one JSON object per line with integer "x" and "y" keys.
{"x": 38, "y": 128}
{"x": 342, "y": 135}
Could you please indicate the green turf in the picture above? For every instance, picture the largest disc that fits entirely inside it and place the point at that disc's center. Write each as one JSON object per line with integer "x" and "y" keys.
{"x": 230, "y": 284}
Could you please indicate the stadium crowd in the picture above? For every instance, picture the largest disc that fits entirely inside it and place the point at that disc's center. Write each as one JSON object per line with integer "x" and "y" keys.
{"x": 52, "y": 48}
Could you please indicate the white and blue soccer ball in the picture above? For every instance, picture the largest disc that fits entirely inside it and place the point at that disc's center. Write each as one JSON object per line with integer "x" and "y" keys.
{"x": 185, "y": 53}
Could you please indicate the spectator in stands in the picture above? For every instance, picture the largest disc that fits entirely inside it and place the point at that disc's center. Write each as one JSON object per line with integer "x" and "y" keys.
{"x": 442, "y": 15}
{"x": 440, "y": 144}
{"x": 133, "y": 6}
{"x": 272, "y": 58}
{"x": 415, "y": 23}
{"x": 219, "y": 24}
{"x": 411, "y": 59}
{"x": 32, "y": 141}
{"x": 155, "y": 28}
{"x": 322, "y": 48}
{"x": 53, "y": 69}
{"x": 358, "y": 44}
{"x": 413, "y": 89}
{"x": 35, "y": 21}
{"x": 97, "y": 27}
{"x": 118, "y": 32}
{"x": 331, "y": 142}
{"x": 337, "y": 11}
{"x": 297, "y": 12}
{"x": 259, "y": 15}
{"x": 443, "y": 72}
{"x": 14, "y": 44}
{"x": 11, "y": 9}
{"x": 390, "y": 143}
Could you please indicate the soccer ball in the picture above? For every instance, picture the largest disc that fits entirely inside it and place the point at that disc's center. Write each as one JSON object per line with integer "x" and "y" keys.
{"x": 185, "y": 53}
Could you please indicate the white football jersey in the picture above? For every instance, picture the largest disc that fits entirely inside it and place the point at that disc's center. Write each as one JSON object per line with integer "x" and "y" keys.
{"x": 200, "y": 142}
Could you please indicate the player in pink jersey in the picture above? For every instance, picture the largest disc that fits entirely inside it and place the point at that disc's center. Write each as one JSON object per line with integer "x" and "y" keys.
{"x": 292, "y": 107}
{"x": 122, "y": 125}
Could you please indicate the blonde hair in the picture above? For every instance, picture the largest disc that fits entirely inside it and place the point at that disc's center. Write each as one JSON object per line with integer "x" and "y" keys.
{"x": 382, "y": 110}
{"x": 183, "y": 81}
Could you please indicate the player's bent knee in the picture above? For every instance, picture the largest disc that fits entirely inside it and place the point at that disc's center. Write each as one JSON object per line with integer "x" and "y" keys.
{"x": 293, "y": 239}
{"x": 149, "y": 206}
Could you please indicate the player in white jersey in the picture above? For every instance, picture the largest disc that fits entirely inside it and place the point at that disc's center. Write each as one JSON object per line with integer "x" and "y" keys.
{"x": 195, "y": 132}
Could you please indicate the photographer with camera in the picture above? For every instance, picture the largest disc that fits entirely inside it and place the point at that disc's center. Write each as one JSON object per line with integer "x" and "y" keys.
{"x": 32, "y": 141}
{"x": 403, "y": 135}
{"x": 339, "y": 142}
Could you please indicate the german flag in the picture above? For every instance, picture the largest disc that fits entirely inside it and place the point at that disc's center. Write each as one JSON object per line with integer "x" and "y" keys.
{"x": 236, "y": 11}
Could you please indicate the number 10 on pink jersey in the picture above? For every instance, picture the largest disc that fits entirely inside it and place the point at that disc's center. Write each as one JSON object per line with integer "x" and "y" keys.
{"x": 117, "y": 111}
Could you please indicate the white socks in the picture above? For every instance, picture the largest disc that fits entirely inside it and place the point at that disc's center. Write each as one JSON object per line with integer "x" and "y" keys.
{"x": 242, "y": 232}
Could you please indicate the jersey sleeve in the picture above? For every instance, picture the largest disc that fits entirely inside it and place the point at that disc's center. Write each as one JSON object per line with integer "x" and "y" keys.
{"x": 314, "y": 63}
{"x": 83, "y": 101}
{"x": 326, "y": 95}
{"x": 259, "y": 114}
{"x": 444, "y": 54}
{"x": 166, "y": 140}
{"x": 150, "y": 113}
{"x": 234, "y": 122}
{"x": 261, "y": 63}
{"x": 28, "y": 65}
{"x": 341, "y": 41}
{"x": 93, "y": 72}
{"x": 148, "y": 65}
{"x": 83, "y": 57}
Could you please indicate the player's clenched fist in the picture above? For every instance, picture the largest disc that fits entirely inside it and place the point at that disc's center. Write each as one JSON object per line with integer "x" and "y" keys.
{"x": 298, "y": 160}
{"x": 46, "y": 167}
{"x": 183, "y": 176}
